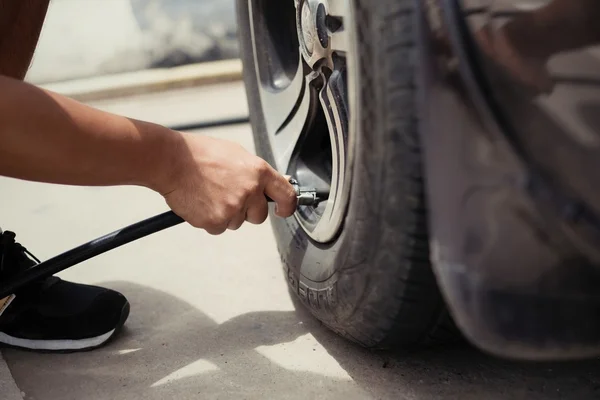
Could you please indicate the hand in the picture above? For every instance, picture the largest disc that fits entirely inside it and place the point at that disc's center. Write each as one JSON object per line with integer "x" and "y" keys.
{"x": 218, "y": 185}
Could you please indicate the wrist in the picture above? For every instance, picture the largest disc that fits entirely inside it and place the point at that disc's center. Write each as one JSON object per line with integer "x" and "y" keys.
{"x": 162, "y": 163}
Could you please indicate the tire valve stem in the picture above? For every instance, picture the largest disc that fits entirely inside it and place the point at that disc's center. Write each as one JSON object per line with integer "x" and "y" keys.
{"x": 307, "y": 196}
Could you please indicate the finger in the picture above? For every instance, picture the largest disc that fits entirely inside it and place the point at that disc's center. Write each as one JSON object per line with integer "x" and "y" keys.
{"x": 258, "y": 210}
{"x": 278, "y": 188}
{"x": 216, "y": 230}
{"x": 237, "y": 221}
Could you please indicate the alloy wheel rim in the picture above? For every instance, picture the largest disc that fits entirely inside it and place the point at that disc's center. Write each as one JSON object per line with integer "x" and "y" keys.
{"x": 305, "y": 69}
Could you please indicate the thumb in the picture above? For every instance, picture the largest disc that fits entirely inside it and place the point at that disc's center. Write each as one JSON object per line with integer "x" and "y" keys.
{"x": 278, "y": 188}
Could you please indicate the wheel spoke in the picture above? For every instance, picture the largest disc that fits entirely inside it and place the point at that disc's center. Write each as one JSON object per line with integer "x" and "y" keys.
{"x": 334, "y": 106}
{"x": 281, "y": 105}
{"x": 340, "y": 41}
{"x": 285, "y": 140}
{"x": 337, "y": 14}
{"x": 338, "y": 8}
{"x": 280, "y": 96}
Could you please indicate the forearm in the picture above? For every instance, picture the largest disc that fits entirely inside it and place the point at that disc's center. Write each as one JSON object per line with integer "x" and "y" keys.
{"x": 50, "y": 138}
{"x": 20, "y": 26}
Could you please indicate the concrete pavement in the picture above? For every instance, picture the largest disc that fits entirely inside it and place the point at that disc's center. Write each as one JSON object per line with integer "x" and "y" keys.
{"x": 211, "y": 316}
{"x": 8, "y": 387}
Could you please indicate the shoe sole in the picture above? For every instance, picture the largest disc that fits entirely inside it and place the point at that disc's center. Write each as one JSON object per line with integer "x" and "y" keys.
{"x": 65, "y": 346}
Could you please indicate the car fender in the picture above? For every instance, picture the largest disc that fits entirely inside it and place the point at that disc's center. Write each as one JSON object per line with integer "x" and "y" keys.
{"x": 514, "y": 281}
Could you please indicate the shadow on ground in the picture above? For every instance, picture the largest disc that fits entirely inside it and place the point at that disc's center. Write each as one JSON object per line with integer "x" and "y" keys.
{"x": 172, "y": 350}
{"x": 457, "y": 372}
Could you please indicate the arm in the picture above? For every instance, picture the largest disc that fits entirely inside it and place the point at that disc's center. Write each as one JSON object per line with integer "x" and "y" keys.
{"x": 213, "y": 184}
{"x": 29, "y": 150}
{"x": 50, "y": 138}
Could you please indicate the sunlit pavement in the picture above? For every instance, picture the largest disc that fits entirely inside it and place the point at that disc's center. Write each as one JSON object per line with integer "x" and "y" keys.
{"x": 211, "y": 316}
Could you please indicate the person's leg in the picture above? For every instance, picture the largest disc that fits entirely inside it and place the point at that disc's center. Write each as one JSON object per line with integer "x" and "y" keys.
{"x": 53, "y": 314}
{"x": 20, "y": 26}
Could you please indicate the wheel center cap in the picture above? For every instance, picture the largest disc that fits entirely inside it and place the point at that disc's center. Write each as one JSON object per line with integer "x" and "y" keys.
{"x": 311, "y": 21}
{"x": 308, "y": 27}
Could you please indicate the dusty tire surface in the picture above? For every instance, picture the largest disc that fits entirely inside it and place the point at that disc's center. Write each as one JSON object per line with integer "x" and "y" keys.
{"x": 373, "y": 284}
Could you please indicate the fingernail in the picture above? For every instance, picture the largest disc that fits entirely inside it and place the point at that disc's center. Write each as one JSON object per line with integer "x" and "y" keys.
{"x": 276, "y": 209}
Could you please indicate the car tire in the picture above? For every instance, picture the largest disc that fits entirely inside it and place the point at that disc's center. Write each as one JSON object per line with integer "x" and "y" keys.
{"x": 372, "y": 283}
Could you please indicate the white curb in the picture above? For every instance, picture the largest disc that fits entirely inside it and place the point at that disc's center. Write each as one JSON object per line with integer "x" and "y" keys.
{"x": 148, "y": 81}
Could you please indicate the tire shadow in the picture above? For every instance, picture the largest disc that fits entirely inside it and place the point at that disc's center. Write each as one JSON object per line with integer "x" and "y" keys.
{"x": 170, "y": 349}
{"x": 457, "y": 371}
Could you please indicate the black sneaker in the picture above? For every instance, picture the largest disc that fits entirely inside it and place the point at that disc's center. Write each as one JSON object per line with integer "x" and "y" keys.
{"x": 53, "y": 314}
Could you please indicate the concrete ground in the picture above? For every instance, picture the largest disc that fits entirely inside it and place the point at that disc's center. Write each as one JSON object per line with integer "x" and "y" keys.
{"x": 211, "y": 316}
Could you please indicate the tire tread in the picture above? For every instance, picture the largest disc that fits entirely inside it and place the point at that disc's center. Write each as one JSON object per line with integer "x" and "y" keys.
{"x": 396, "y": 31}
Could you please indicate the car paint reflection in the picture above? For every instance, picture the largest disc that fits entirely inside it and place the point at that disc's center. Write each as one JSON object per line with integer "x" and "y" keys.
{"x": 541, "y": 61}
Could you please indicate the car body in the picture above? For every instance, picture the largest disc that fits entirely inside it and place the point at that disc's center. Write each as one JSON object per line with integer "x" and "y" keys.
{"x": 511, "y": 176}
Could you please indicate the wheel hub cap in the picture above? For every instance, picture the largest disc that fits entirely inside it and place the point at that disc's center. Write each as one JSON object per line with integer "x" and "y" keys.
{"x": 308, "y": 29}
{"x": 311, "y": 21}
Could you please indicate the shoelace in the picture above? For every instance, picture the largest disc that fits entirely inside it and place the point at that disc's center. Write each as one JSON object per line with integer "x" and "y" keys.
{"x": 7, "y": 245}
{"x": 15, "y": 258}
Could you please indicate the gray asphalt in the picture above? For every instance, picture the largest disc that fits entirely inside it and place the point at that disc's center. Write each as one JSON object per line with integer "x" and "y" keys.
{"x": 212, "y": 317}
